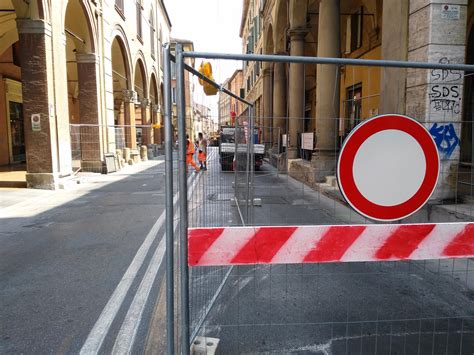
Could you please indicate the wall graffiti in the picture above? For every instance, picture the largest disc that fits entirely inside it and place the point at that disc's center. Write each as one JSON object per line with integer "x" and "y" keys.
{"x": 445, "y": 92}
{"x": 445, "y": 138}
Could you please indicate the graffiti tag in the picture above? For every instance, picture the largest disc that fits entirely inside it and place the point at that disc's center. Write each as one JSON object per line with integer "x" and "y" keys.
{"x": 443, "y": 74}
{"x": 445, "y": 94}
{"x": 445, "y": 138}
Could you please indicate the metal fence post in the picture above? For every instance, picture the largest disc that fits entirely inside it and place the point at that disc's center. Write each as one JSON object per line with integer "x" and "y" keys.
{"x": 250, "y": 167}
{"x": 169, "y": 200}
{"x": 183, "y": 201}
{"x": 236, "y": 165}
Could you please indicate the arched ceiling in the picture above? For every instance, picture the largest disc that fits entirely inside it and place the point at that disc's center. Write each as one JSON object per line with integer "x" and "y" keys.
{"x": 140, "y": 83}
{"x": 119, "y": 66}
{"x": 153, "y": 89}
{"x": 281, "y": 26}
{"x": 8, "y": 30}
{"x": 78, "y": 28}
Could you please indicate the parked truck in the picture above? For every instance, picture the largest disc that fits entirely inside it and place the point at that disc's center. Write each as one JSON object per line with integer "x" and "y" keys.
{"x": 227, "y": 146}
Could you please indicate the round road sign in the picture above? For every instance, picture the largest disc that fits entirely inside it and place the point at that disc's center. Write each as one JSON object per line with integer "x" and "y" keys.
{"x": 388, "y": 167}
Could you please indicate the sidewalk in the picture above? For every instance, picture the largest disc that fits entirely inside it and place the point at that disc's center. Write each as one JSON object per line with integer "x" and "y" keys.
{"x": 301, "y": 171}
{"x": 21, "y": 202}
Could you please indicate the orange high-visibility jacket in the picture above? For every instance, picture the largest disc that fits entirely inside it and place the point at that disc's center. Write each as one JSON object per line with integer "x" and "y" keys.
{"x": 189, "y": 148}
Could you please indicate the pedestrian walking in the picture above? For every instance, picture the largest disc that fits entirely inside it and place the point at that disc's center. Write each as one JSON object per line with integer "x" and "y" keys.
{"x": 190, "y": 150}
{"x": 202, "y": 151}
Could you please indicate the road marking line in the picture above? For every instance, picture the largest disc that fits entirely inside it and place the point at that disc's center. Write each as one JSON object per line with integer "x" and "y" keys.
{"x": 126, "y": 336}
{"x": 128, "y": 331}
{"x": 101, "y": 327}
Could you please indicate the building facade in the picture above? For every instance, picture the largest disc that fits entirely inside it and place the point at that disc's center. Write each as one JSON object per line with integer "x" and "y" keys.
{"x": 202, "y": 120}
{"x": 78, "y": 79}
{"x": 330, "y": 100}
{"x": 188, "y": 89}
{"x": 229, "y": 107}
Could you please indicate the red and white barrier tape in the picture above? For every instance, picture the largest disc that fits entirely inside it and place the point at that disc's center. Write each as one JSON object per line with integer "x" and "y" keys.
{"x": 318, "y": 244}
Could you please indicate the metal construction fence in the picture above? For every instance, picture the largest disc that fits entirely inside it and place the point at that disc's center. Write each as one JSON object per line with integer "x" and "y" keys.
{"x": 120, "y": 145}
{"x": 308, "y": 274}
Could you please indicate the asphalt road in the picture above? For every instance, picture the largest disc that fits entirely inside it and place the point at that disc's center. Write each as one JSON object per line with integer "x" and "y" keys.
{"x": 60, "y": 268}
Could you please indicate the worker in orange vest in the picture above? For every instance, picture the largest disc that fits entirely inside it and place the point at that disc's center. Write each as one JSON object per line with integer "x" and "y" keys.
{"x": 190, "y": 150}
{"x": 202, "y": 153}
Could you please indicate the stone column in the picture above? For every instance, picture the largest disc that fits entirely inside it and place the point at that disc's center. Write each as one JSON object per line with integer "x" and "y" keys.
{"x": 394, "y": 47}
{"x": 267, "y": 105}
{"x": 129, "y": 108}
{"x": 35, "y": 45}
{"x": 296, "y": 92}
{"x": 327, "y": 90}
{"x": 434, "y": 97}
{"x": 146, "y": 121}
{"x": 279, "y": 102}
{"x": 91, "y": 152}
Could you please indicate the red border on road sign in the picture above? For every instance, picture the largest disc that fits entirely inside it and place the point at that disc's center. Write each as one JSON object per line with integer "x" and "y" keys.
{"x": 348, "y": 153}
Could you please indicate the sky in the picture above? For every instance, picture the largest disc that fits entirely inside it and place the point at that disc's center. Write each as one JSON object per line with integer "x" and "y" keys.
{"x": 213, "y": 26}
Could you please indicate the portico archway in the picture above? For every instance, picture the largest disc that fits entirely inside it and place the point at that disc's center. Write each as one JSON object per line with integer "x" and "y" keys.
{"x": 82, "y": 89}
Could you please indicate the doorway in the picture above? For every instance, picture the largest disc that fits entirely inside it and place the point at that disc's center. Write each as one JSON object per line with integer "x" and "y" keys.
{"x": 15, "y": 121}
{"x": 17, "y": 132}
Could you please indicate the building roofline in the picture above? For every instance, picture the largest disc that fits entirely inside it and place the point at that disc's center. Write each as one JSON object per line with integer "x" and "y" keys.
{"x": 244, "y": 17}
{"x": 167, "y": 17}
{"x": 234, "y": 74}
{"x": 182, "y": 41}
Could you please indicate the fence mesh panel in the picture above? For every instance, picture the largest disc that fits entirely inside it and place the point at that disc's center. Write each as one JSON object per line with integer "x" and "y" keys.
{"x": 390, "y": 307}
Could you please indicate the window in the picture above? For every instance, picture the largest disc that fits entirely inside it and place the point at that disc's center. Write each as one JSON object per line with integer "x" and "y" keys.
{"x": 139, "y": 21}
{"x": 354, "y": 106}
{"x": 354, "y": 31}
{"x": 250, "y": 42}
{"x": 152, "y": 33}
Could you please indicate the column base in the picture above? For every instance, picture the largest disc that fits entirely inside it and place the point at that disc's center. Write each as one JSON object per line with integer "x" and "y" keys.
{"x": 92, "y": 166}
{"x": 44, "y": 181}
{"x": 292, "y": 153}
{"x": 324, "y": 164}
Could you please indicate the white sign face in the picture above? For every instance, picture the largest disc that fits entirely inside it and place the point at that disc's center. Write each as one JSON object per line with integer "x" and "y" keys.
{"x": 36, "y": 122}
{"x": 284, "y": 140}
{"x": 450, "y": 12}
{"x": 373, "y": 165}
{"x": 388, "y": 167}
{"x": 307, "y": 141}
{"x": 228, "y": 130}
